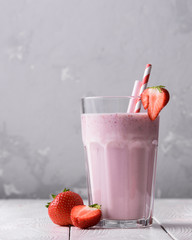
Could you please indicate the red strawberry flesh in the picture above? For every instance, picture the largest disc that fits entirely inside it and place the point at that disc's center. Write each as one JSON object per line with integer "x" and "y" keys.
{"x": 155, "y": 99}
{"x": 84, "y": 216}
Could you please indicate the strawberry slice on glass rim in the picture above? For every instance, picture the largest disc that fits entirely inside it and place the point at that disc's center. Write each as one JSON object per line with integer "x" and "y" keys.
{"x": 155, "y": 99}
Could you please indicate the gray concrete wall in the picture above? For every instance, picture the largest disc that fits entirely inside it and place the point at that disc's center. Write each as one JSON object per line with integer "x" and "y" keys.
{"x": 53, "y": 52}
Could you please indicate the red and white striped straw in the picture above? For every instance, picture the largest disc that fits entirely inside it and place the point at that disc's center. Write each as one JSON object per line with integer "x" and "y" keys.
{"x": 143, "y": 86}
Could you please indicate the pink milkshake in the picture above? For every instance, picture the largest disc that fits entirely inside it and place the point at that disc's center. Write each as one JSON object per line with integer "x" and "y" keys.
{"x": 121, "y": 151}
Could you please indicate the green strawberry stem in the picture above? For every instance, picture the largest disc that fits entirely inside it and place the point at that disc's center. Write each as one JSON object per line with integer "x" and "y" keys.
{"x": 66, "y": 190}
{"x": 95, "y": 206}
{"x": 47, "y": 204}
{"x": 158, "y": 87}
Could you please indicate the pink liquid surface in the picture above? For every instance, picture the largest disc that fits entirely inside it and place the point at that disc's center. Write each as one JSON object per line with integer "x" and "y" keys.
{"x": 121, "y": 162}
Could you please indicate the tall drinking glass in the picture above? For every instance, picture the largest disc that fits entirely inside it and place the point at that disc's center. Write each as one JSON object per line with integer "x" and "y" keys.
{"x": 121, "y": 154}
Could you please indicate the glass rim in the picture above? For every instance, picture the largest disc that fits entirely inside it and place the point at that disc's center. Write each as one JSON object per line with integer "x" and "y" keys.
{"x": 110, "y": 97}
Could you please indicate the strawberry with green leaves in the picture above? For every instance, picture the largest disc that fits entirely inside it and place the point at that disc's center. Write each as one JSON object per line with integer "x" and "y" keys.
{"x": 59, "y": 209}
{"x": 86, "y": 216}
{"x": 154, "y": 99}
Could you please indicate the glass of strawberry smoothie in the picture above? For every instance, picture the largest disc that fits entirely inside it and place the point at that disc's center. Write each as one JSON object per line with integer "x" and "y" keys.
{"x": 121, "y": 154}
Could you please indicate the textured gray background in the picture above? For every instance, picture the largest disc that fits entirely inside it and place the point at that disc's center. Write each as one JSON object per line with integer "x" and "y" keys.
{"x": 54, "y": 52}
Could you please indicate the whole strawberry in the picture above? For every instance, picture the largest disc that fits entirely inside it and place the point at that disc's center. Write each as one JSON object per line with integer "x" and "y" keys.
{"x": 86, "y": 216}
{"x": 154, "y": 99}
{"x": 59, "y": 209}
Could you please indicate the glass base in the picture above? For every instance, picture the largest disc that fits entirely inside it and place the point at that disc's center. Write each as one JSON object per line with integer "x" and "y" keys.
{"x": 141, "y": 223}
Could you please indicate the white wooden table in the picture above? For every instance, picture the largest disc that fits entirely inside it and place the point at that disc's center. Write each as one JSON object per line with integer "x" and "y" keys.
{"x": 28, "y": 219}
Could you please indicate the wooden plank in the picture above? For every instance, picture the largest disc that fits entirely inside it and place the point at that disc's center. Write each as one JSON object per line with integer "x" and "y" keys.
{"x": 151, "y": 233}
{"x": 28, "y": 219}
{"x": 175, "y": 215}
